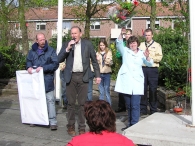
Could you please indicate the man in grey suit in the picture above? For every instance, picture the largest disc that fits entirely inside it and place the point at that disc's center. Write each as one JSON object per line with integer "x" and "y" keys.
{"x": 78, "y": 53}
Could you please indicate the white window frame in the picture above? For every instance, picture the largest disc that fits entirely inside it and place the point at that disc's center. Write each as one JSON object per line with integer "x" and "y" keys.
{"x": 106, "y": 1}
{"x": 94, "y": 24}
{"x": 117, "y": 26}
{"x": 157, "y": 22}
{"x": 38, "y": 24}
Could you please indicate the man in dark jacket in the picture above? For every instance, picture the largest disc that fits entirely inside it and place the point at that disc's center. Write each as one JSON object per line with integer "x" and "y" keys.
{"x": 42, "y": 56}
{"x": 78, "y": 53}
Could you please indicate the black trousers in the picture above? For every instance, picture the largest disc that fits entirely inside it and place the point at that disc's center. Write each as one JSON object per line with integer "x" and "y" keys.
{"x": 76, "y": 89}
{"x": 121, "y": 101}
{"x": 151, "y": 81}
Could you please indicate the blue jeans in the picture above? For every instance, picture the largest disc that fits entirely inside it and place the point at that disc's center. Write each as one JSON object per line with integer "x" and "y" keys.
{"x": 104, "y": 87}
{"x": 133, "y": 107}
{"x": 51, "y": 107}
{"x": 90, "y": 88}
{"x": 63, "y": 84}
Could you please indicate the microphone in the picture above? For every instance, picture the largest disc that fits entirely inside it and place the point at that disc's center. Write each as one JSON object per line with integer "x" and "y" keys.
{"x": 72, "y": 45}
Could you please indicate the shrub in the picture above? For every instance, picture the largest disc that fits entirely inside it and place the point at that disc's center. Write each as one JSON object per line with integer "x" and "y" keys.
{"x": 116, "y": 61}
{"x": 13, "y": 60}
{"x": 173, "y": 67}
{"x": 53, "y": 40}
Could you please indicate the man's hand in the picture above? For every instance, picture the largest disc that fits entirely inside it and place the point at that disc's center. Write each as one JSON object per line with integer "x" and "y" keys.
{"x": 62, "y": 66}
{"x": 30, "y": 70}
{"x": 70, "y": 44}
{"x": 38, "y": 69}
{"x": 98, "y": 80}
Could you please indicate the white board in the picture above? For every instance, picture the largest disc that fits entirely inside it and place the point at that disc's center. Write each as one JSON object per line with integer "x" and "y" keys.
{"x": 31, "y": 90}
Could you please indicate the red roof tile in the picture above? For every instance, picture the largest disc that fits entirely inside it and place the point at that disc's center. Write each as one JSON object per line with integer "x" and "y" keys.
{"x": 142, "y": 10}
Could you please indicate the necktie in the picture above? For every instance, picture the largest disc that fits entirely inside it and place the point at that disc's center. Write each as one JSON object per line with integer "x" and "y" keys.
{"x": 73, "y": 47}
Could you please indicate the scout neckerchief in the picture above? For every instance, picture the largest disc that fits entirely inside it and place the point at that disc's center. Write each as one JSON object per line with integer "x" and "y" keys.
{"x": 149, "y": 45}
{"x": 103, "y": 63}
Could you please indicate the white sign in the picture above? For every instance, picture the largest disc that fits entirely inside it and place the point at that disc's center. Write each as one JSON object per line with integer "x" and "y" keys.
{"x": 31, "y": 90}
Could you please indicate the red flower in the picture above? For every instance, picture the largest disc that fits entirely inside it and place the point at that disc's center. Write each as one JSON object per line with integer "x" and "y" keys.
{"x": 180, "y": 92}
{"x": 122, "y": 17}
{"x": 135, "y": 2}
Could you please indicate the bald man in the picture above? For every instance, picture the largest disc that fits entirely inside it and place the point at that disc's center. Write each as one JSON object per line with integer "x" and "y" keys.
{"x": 44, "y": 57}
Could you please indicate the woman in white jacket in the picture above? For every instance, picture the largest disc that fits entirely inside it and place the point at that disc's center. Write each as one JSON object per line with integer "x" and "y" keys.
{"x": 130, "y": 79}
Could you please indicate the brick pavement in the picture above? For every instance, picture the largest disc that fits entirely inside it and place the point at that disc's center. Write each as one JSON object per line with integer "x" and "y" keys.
{"x": 14, "y": 133}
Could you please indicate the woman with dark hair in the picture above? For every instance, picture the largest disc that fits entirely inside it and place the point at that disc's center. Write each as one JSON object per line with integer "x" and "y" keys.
{"x": 104, "y": 58}
{"x": 130, "y": 78}
{"x": 101, "y": 121}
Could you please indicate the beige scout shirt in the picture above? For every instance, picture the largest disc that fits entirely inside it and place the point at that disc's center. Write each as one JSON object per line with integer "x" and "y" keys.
{"x": 108, "y": 62}
{"x": 155, "y": 51}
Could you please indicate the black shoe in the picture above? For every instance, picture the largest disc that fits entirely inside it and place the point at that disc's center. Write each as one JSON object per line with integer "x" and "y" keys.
{"x": 120, "y": 110}
{"x": 53, "y": 127}
{"x": 124, "y": 128}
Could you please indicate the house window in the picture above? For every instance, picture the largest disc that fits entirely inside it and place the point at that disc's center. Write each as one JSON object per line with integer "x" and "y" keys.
{"x": 66, "y": 25}
{"x": 40, "y": 26}
{"x": 157, "y": 24}
{"x": 106, "y": 1}
{"x": 177, "y": 24}
{"x": 127, "y": 26}
{"x": 95, "y": 25}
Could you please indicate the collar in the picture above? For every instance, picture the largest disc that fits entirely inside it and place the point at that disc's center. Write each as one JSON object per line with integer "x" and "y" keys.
{"x": 149, "y": 42}
{"x": 35, "y": 46}
{"x": 79, "y": 42}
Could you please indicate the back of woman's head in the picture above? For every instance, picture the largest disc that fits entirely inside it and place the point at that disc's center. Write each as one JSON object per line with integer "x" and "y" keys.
{"x": 100, "y": 116}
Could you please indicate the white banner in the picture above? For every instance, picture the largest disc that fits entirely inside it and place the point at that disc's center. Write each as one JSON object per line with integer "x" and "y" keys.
{"x": 31, "y": 90}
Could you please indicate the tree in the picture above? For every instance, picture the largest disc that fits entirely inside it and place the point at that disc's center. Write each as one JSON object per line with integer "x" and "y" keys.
{"x": 152, "y": 3}
{"x": 21, "y": 16}
{"x": 5, "y": 11}
{"x": 87, "y": 9}
{"x": 41, "y": 3}
{"x": 183, "y": 21}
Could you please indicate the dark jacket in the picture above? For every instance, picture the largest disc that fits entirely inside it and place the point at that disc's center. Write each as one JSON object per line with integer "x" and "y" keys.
{"x": 48, "y": 60}
{"x": 87, "y": 52}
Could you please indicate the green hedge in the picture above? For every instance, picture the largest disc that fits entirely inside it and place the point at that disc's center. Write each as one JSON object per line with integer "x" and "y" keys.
{"x": 13, "y": 60}
{"x": 173, "y": 67}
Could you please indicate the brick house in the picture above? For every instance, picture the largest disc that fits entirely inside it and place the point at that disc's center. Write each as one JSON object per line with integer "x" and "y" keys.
{"x": 45, "y": 20}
